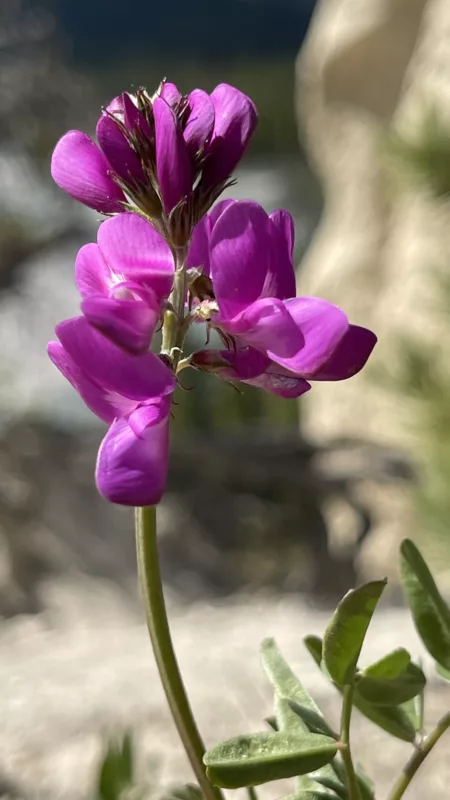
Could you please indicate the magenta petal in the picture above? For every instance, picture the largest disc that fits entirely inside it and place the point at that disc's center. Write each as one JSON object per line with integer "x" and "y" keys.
{"x": 134, "y": 119}
{"x": 132, "y": 467}
{"x": 135, "y": 378}
{"x": 173, "y": 164}
{"x": 280, "y": 279}
{"x": 199, "y": 126}
{"x": 350, "y": 355}
{"x": 248, "y": 365}
{"x": 281, "y": 383}
{"x": 81, "y": 169}
{"x": 240, "y": 253}
{"x": 268, "y": 326}
{"x": 218, "y": 209}
{"x": 92, "y": 274}
{"x": 136, "y": 251}
{"x": 170, "y": 94}
{"x": 128, "y": 323}
{"x": 121, "y": 157}
{"x": 96, "y": 398}
{"x": 284, "y": 224}
{"x": 116, "y": 107}
{"x": 235, "y": 121}
{"x": 322, "y": 325}
{"x": 240, "y": 364}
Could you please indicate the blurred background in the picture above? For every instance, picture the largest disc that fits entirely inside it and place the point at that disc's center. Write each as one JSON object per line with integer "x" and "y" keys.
{"x": 274, "y": 508}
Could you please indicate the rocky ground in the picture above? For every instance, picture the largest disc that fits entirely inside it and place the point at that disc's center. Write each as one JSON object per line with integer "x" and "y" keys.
{"x": 82, "y": 668}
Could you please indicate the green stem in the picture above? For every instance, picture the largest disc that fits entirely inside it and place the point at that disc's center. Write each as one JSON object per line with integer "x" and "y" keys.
{"x": 346, "y": 753}
{"x": 418, "y": 758}
{"x": 158, "y": 626}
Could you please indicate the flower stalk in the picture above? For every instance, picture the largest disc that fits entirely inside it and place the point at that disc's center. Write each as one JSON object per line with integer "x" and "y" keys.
{"x": 345, "y": 750}
{"x": 419, "y": 757}
{"x": 158, "y": 626}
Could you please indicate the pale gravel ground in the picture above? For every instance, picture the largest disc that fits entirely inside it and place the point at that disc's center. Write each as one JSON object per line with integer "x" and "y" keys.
{"x": 85, "y": 666}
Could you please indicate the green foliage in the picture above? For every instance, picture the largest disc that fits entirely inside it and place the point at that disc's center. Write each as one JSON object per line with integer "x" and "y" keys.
{"x": 346, "y": 631}
{"x": 394, "y": 691}
{"x": 430, "y": 613}
{"x": 257, "y": 758}
{"x": 116, "y": 770}
{"x": 426, "y": 156}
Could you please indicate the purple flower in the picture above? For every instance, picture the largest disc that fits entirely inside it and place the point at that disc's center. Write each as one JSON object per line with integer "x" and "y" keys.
{"x": 249, "y": 261}
{"x": 133, "y": 396}
{"x": 158, "y": 152}
{"x": 124, "y": 280}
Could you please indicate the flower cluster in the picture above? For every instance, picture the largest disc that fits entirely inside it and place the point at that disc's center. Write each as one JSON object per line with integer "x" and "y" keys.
{"x": 167, "y": 257}
{"x": 170, "y": 155}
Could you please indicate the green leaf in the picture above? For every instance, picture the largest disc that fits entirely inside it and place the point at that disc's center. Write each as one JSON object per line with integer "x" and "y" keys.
{"x": 262, "y": 757}
{"x": 444, "y": 673}
{"x": 366, "y": 785}
{"x": 331, "y": 781}
{"x": 314, "y": 722}
{"x": 285, "y": 683}
{"x": 116, "y": 769}
{"x": 430, "y": 613}
{"x": 314, "y": 646}
{"x": 390, "y": 666}
{"x": 391, "y": 691}
{"x": 393, "y": 720}
{"x": 345, "y": 633}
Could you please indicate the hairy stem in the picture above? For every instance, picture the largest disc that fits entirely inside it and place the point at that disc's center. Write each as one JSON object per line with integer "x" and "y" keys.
{"x": 158, "y": 626}
{"x": 346, "y": 754}
{"x": 418, "y": 758}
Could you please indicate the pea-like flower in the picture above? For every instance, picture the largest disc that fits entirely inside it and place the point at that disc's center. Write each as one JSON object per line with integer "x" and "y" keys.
{"x": 133, "y": 396}
{"x": 124, "y": 280}
{"x": 275, "y": 340}
{"x": 168, "y": 155}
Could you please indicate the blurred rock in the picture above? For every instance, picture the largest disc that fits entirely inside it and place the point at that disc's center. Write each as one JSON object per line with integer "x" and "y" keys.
{"x": 243, "y": 511}
{"x": 366, "y": 70}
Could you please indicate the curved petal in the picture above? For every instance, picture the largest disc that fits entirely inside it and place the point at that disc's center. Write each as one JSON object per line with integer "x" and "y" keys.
{"x": 134, "y": 119}
{"x": 281, "y": 383}
{"x": 240, "y": 364}
{"x": 173, "y": 165}
{"x": 118, "y": 151}
{"x": 199, "y": 126}
{"x": 284, "y": 224}
{"x": 235, "y": 120}
{"x": 280, "y": 279}
{"x": 350, "y": 355}
{"x": 322, "y": 325}
{"x": 133, "y": 458}
{"x": 218, "y": 209}
{"x": 129, "y": 323}
{"x": 81, "y": 169}
{"x": 134, "y": 378}
{"x": 116, "y": 107}
{"x": 92, "y": 274}
{"x": 240, "y": 253}
{"x": 170, "y": 93}
{"x": 248, "y": 365}
{"x": 135, "y": 251}
{"x": 97, "y": 399}
{"x": 268, "y": 326}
